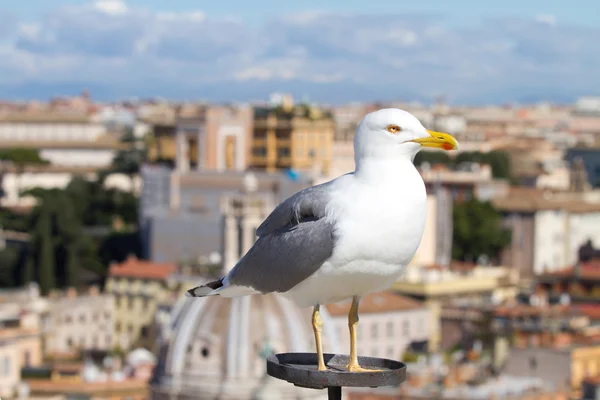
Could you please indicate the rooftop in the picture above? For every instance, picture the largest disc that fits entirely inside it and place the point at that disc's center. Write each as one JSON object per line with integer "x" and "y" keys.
{"x": 141, "y": 269}
{"x": 587, "y": 271}
{"x": 377, "y": 303}
{"x": 531, "y": 200}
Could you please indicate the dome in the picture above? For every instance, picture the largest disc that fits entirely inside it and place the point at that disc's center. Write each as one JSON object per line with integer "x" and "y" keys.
{"x": 216, "y": 347}
{"x": 139, "y": 357}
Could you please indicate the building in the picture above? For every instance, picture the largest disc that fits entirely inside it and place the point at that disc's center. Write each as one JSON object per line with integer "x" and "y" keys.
{"x": 581, "y": 282}
{"x": 137, "y": 287}
{"x": 442, "y": 287}
{"x": 389, "y": 324}
{"x": 566, "y": 367}
{"x": 20, "y": 336}
{"x": 64, "y": 139}
{"x": 215, "y": 347}
{"x": 80, "y": 322}
{"x": 591, "y": 388}
{"x": 297, "y": 138}
{"x": 204, "y": 137}
{"x": 347, "y": 117}
{"x": 107, "y": 377}
{"x": 436, "y": 243}
{"x": 471, "y": 180}
{"x": 548, "y": 228}
{"x": 181, "y": 217}
{"x": 590, "y": 158}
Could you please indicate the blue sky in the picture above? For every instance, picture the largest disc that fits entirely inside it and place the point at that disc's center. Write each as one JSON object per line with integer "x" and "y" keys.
{"x": 335, "y": 51}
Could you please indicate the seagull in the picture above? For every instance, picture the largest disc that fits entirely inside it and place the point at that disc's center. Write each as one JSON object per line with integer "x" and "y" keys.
{"x": 347, "y": 237}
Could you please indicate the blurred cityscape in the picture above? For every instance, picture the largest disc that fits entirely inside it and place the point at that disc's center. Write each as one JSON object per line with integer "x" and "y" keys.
{"x": 110, "y": 211}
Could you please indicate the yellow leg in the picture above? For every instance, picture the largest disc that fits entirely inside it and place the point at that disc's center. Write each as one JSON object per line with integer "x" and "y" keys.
{"x": 317, "y": 324}
{"x": 352, "y": 324}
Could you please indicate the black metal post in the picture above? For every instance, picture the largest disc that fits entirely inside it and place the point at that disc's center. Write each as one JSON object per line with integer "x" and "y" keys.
{"x": 334, "y": 393}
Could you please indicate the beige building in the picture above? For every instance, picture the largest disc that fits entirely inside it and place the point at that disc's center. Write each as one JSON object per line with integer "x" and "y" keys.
{"x": 20, "y": 336}
{"x": 137, "y": 287}
{"x": 438, "y": 287}
{"x": 65, "y": 139}
{"x": 389, "y": 323}
{"x": 548, "y": 228}
{"x": 80, "y": 322}
{"x": 294, "y": 137}
{"x": 203, "y": 137}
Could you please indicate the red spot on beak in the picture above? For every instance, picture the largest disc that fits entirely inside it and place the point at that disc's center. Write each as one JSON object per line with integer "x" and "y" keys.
{"x": 447, "y": 146}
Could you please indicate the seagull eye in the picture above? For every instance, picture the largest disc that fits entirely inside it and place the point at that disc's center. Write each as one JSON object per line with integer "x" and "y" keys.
{"x": 393, "y": 129}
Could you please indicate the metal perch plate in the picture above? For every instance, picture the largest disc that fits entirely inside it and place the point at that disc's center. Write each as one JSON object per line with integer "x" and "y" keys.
{"x": 301, "y": 370}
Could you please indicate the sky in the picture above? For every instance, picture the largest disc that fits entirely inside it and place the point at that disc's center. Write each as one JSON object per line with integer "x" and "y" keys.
{"x": 469, "y": 52}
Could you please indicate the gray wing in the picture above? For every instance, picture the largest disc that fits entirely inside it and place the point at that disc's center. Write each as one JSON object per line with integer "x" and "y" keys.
{"x": 310, "y": 202}
{"x": 293, "y": 243}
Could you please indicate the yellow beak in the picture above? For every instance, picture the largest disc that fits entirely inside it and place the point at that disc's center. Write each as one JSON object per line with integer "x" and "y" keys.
{"x": 438, "y": 140}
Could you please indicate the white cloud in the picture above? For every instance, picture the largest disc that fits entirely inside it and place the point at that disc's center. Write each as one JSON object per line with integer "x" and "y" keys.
{"x": 111, "y": 7}
{"x": 546, "y": 19}
{"x": 130, "y": 50}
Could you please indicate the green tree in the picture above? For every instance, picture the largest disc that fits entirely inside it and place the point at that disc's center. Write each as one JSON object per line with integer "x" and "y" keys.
{"x": 477, "y": 231}
{"x": 129, "y": 159}
{"x": 432, "y": 157}
{"x": 9, "y": 257}
{"x": 28, "y": 273}
{"x": 499, "y": 161}
{"x": 46, "y": 260}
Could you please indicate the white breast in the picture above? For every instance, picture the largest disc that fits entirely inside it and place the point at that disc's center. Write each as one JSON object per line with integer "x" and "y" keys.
{"x": 382, "y": 220}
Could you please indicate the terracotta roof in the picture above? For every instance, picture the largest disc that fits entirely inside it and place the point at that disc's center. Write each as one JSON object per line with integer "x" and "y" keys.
{"x": 528, "y": 310}
{"x": 591, "y": 310}
{"x": 141, "y": 269}
{"x": 594, "y": 380}
{"x": 377, "y": 303}
{"x": 80, "y": 387}
{"x": 589, "y": 270}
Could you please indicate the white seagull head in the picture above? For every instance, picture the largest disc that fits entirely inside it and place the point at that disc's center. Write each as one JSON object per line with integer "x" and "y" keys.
{"x": 395, "y": 133}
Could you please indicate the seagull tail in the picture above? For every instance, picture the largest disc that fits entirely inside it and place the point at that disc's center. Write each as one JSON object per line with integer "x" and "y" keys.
{"x": 205, "y": 290}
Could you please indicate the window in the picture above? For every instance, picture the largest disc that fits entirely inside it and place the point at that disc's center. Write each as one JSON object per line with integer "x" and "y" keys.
{"x": 82, "y": 319}
{"x": 69, "y": 343}
{"x": 390, "y": 352}
{"x": 68, "y": 319}
{"x": 6, "y": 366}
{"x": 259, "y": 151}
{"x": 406, "y": 327}
{"x": 27, "y": 358}
{"x": 374, "y": 331}
{"x": 283, "y": 152}
{"x": 108, "y": 340}
{"x": 390, "y": 329}
{"x": 205, "y": 352}
{"x": 145, "y": 332}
